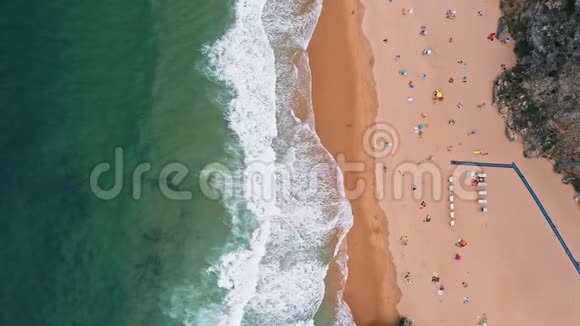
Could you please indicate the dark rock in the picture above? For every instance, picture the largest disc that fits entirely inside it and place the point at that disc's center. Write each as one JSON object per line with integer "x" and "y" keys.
{"x": 539, "y": 97}
{"x": 502, "y": 28}
{"x": 567, "y": 180}
{"x": 511, "y": 135}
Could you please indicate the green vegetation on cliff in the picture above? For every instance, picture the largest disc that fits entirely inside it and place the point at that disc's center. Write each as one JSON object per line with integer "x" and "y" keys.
{"x": 539, "y": 96}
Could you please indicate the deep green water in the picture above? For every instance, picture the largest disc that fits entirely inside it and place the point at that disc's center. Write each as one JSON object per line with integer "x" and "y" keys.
{"x": 77, "y": 80}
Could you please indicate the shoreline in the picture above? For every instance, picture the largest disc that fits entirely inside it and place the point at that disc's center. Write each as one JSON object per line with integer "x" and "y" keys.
{"x": 356, "y": 83}
{"x": 345, "y": 105}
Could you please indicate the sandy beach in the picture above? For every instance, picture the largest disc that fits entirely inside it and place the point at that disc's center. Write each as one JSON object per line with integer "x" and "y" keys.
{"x": 345, "y": 105}
{"x": 513, "y": 269}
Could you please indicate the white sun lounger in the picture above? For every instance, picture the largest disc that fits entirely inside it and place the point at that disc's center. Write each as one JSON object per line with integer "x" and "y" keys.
{"x": 452, "y": 214}
{"x": 482, "y": 184}
{"x": 450, "y": 188}
{"x": 451, "y": 198}
{"x": 451, "y": 206}
{"x": 484, "y": 209}
{"x": 482, "y": 192}
{"x": 482, "y": 175}
{"x": 450, "y": 179}
{"x": 452, "y": 222}
{"x": 482, "y": 201}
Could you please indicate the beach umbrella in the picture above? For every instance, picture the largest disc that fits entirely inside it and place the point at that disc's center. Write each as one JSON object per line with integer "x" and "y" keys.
{"x": 421, "y": 126}
{"x": 404, "y": 72}
{"x": 438, "y": 94}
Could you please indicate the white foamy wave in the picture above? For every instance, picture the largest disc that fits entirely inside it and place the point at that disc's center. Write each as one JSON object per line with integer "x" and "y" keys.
{"x": 290, "y": 183}
{"x": 244, "y": 60}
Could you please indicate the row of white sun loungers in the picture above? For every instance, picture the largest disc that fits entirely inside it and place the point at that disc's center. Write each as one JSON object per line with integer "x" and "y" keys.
{"x": 451, "y": 204}
{"x": 482, "y": 200}
{"x": 482, "y": 193}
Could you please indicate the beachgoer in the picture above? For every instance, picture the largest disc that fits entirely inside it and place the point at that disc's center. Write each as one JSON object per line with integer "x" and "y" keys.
{"x": 408, "y": 278}
{"x": 451, "y": 80}
{"x": 423, "y": 115}
{"x": 411, "y": 85}
{"x": 414, "y": 187}
{"x": 427, "y": 218}
{"x": 450, "y": 14}
{"x": 386, "y": 40}
{"x": 480, "y": 13}
{"x": 464, "y": 284}
{"x": 483, "y": 319}
{"x": 465, "y": 299}
{"x": 457, "y": 257}
{"x": 464, "y": 79}
{"x": 404, "y": 240}
{"x": 450, "y": 39}
{"x": 423, "y": 76}
{"x": 460, "y": 105}
{"x": 491, "y": 37}
{"x": 503, "y": 67}
{"x": 452, "y": 122}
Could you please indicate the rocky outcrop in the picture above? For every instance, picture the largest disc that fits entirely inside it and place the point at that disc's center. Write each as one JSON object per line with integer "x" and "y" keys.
{"x": 539, "y": 97}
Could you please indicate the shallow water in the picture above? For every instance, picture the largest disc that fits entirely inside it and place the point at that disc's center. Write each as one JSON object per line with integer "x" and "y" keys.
{"x": 165, "y": 83}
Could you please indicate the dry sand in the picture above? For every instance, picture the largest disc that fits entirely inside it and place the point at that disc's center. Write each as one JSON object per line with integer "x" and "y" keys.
{"x": 515, "y": 268}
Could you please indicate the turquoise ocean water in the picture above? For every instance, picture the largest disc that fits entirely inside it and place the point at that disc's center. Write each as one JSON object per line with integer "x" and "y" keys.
{"x": 219, "y": 87}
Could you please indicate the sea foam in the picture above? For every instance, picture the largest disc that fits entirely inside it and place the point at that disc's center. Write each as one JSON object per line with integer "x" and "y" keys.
{"x": 289, "y": 183}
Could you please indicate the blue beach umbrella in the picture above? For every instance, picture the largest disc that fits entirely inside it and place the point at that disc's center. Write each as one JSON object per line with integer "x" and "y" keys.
{"x": 404, "y": 72}
{"x": 421, "y": 127}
